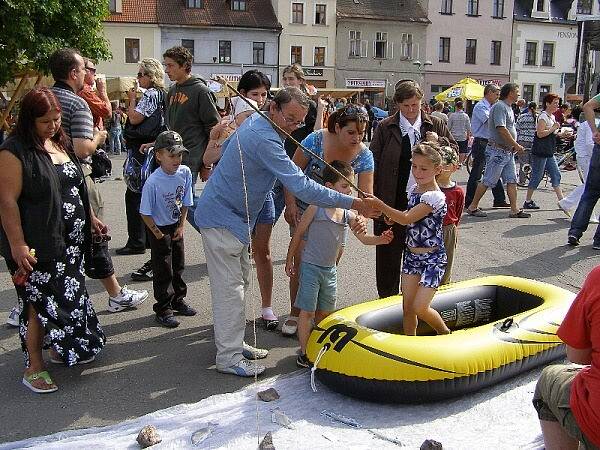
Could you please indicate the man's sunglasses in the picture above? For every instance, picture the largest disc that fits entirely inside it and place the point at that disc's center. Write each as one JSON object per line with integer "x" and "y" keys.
{"x": 91, "y": 69}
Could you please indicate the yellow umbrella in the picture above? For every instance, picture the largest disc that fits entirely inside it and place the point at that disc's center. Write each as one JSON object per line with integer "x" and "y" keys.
{"x": 466, "y": 89}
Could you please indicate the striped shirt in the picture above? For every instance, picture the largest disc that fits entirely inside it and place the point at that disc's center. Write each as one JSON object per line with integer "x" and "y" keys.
{"x": 459, "y": 125}
{"x": 77, "y": 118}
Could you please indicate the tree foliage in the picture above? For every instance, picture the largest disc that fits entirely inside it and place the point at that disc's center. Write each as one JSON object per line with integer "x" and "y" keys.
{"x": 30, "y": 30}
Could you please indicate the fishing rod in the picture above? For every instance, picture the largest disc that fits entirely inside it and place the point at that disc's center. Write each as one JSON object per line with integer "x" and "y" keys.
{"x": 224, "y": 82}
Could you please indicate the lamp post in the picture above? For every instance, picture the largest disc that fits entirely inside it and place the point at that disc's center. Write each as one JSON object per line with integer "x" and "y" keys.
{"x": 420, "y": 66}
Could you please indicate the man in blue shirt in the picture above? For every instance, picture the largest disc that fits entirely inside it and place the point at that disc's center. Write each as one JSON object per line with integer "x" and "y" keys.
{"x": 479, "y": 128}
{"x": 252, "y": 159}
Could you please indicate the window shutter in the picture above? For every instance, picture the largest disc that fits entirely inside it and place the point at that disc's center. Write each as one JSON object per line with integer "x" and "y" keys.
{"x": 374, "y": 49}
{"x": 391, "y": 48}
{"x": 363, "y": 48}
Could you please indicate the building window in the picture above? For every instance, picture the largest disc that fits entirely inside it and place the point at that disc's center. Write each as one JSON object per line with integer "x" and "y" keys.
{"x": 498, "y": 9}
{"x": 320, "y": 14}
{"x": 472, "y": 7}
{"x": 296, "y": 55}
{"x": 539, "y": 7}
{"x": 357, "y": 47}
{"x": 528, "y": 92}
{"x": 319, "y": 58}
{"x": 496, "y": 53}
{"x": 224, "y": 51}
{"x": 584, "y": 6}
{"x": 471, "y": 51}
{"x": 446, "y": 7}
{"x": 258, "y": 53}
{"x": 194, "y": 3}
{"x": 380, "y": 46}
{"x": 444, "y": 49}
{"x": 544, "y": 89}
{"x": 406, "y": 46}
{"x": 297, "y": 12}
{"x": 112, "y": 6}
{"x": 548, "y": 54}
{"x": 530, "y": 53}
{"x": 238, "y": 5}
{"x": 189, "y": 44}
{"x": 132, "y": 50}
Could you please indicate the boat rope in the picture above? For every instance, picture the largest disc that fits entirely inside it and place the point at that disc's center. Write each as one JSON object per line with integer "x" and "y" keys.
{"x": 251, "y": 276}
{"x": 313, "y": 386}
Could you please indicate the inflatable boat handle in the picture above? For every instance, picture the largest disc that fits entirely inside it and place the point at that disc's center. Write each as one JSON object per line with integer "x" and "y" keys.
{"x": 507, "y": 324}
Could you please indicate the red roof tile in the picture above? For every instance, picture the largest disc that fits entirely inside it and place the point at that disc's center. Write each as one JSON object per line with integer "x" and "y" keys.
{"x": 136, "y": 11}
{"x": 259, "y": 14}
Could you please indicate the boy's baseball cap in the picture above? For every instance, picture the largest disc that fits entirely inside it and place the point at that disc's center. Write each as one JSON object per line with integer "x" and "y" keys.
{"x": 171, "y": 141}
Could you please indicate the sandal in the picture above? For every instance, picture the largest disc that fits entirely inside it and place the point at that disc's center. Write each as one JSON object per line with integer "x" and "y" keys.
{"x": 55, "y": 359}
{"x": 520, "y": 215}
{"x": 290, "y": 326}
{"x": 28, "y": 381}
{"x": 271, "y": 324}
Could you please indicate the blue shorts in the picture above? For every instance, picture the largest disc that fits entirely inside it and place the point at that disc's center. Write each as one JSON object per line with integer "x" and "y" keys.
{"x": 499, "y": 164}
{"x": 267, "y": 213}
{"x": 430, "y": 266}
{"x": 317, "y": 288}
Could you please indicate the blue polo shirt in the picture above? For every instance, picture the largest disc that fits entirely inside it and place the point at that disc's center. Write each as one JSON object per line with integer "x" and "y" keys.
{"x": 222, "y": 203}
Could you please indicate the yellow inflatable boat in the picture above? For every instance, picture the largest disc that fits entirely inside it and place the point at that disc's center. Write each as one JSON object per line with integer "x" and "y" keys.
{"x": 501, "y": 326}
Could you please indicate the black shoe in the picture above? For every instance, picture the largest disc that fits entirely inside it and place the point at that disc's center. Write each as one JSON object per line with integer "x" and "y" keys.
{"x": 167, "y": 320}
{"x": 502, "y": 204}
{"x": 144, "y": 273}
{"x": 530, "y": 204}
{"x": 302, "y": 361}
{"x": 271, "y": 324}
{"x": 184, "y": 309}
{"x": 130, "y": 251}
{"x": 573, "y": 240}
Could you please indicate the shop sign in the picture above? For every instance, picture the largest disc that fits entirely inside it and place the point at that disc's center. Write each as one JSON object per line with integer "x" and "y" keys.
{"x": 313, "y": 72}
{"x": 357, "y": 83}
{"x": 227, "y": 76}
{"x": 486, "y": 82}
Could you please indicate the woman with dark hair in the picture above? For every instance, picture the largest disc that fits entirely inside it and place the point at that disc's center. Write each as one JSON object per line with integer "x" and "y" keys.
{"x": 542, "y": 151}
{"x": 342, "y": 141}
{"x": 43, "y": 189}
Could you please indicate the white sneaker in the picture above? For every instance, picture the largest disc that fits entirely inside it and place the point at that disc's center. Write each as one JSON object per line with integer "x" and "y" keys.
{"x": 127, "y": 298}
{"x": 290, "y": 326}
{"x": 251, "y": 353}
{"x": 244, "y": 368}
{"x": 594, "y": 219}
{"x": 13, "y": 317}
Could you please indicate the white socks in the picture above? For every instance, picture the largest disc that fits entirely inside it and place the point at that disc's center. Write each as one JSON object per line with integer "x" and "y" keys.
{"x": 267, "y": 314}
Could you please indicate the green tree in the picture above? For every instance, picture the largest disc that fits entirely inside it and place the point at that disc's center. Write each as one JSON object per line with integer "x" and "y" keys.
{"x": 30, "y": 30}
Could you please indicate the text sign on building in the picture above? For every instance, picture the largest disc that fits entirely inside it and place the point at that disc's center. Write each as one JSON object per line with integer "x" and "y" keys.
{"x": 313, "y": 72}
{"x": 486, "y": 82}
{"x": 357, "y": 83}
{"x": 227, "y": 76}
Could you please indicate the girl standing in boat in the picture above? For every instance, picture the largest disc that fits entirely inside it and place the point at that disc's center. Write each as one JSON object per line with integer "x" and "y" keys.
{"x": 425, "y": 257}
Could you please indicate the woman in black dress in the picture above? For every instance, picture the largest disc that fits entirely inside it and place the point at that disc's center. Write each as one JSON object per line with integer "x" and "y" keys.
{"x": 44, "y": 207}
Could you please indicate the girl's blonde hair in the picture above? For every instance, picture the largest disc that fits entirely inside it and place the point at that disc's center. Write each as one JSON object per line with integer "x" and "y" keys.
{"x": 430, "y": 150}
{"x": 154, "y": 69}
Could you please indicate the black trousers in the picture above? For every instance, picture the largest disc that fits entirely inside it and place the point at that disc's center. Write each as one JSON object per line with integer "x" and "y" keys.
{"x": 136, "y": 229}
{"x": 168, "y": 263}
{"x": 388, "y": 259}
{"x": 478, "y": 154}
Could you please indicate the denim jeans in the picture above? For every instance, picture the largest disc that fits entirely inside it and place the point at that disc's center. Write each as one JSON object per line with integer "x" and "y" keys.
{"x": 499, "y": 165}
{"x": 540, "y": 164}
{"x": 115, "y": 136}
{"x": 478, "y": 154}
{"x": 590, "y": 196}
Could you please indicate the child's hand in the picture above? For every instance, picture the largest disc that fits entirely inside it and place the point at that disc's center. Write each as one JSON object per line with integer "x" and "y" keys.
{"x": 373, "y": 202}
{"x": 290, "y": 268}
{"x": 359, "y": 226}
{"x": 387, "y": 236}
{"x": 178, "y": 235}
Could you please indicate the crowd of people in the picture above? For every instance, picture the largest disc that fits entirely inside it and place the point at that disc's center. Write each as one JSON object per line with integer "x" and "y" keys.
{"x": 255, "y": 171}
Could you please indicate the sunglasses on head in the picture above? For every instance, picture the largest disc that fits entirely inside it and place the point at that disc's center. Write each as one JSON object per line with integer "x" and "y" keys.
{"x": 353, "y": 112}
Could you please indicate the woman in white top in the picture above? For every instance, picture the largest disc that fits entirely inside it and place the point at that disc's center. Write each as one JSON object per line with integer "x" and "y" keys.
{"x": 542, "y": 151}
{"x": 584, "y": 145}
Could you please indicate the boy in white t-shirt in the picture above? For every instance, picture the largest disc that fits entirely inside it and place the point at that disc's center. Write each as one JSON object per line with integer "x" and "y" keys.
{"x": 166, "y": 196}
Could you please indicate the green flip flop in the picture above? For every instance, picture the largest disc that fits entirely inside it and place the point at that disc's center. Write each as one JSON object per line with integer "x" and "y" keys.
{"x": 44, "y": 375}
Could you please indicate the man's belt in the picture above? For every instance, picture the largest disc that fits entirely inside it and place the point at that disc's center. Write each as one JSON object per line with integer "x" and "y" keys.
{"x": 482, "y": 140}
{"x": 497, "y": 145}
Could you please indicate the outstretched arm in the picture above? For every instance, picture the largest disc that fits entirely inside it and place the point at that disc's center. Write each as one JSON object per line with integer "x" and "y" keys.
{"x": 307, "y": 218}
